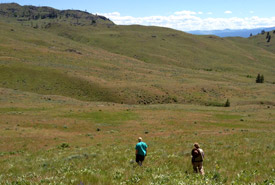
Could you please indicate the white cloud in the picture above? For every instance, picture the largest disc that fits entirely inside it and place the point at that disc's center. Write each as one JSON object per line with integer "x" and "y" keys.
{"x": 184, "y": 12}
{"x": 113, "y": 14}
{"x": 228, "y": 12}
{"x": 209, "y": 13}
{"x": 200, "y": 13}
{"x": 188, "y": 20}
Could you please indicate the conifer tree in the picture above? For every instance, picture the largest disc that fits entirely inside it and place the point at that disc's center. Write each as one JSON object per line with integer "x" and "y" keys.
{"x": 227, "y": 103}
{"x": 268, "y": 39}
{"x": 267, "y": 35}
{"x": 262, "y": 79}
{"x": 258, "y": 79}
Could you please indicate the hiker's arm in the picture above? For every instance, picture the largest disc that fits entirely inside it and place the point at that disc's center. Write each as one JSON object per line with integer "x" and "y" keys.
{"x": 146, "y": 151}
{"x": 136, "y": 152}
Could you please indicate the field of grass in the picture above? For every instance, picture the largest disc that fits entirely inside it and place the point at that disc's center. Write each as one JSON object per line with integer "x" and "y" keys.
{"x": 57, "y": 140}
{"x": 75, "y": 97}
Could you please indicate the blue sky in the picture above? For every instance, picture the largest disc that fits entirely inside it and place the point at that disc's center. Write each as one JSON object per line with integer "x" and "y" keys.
{"x": 184, "y": 15}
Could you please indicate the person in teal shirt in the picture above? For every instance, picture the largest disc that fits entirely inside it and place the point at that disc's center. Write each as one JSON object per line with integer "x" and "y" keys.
{"x": 141, "y": 151}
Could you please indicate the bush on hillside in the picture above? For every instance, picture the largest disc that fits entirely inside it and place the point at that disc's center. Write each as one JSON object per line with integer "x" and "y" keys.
{"x": 260, "y": 78}
{"x": 227, "y": 103}
{"x": 64, "y": 145}
{"x": 267, "y": 35}
{"x": 269, "y": 38}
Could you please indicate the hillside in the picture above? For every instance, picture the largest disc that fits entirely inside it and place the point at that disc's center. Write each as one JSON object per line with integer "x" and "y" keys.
{"x": 128, "y": 64}
{"x": 76, "y": 94}
{"x": 262, "y": 41}
{"x": 32, "y": 13}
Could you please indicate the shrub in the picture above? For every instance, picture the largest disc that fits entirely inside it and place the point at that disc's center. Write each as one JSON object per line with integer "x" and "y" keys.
{"x": 267, "y": 35}
{"x": 227, "y": 103}
{"x": 64, "y": 145}
{"x": 268, "y": 38}
{"x": 215, "y": 104}
{"x": 260, "y": 78}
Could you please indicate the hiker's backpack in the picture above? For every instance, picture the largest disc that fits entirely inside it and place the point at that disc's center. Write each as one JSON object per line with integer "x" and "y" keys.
{"x": 196, "y": 155}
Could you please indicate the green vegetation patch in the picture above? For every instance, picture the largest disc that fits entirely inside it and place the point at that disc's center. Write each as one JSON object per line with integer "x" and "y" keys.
{"x": 38, "y": 42}
{"x": 51, "y": 82}
{"x": 227, "y": 116}
{"x": 102, "y": 117}
{"x": 19, "y": 109}
{"x": 224, "y": 125}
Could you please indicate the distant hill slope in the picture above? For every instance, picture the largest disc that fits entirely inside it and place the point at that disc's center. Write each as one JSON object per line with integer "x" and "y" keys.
{"x": 166, "y": 46}
{"x": 261, "y": 40}
{"x": 232, "y": 33}
{"x": 130, "y": 64}
{"x": 28, "y": 13}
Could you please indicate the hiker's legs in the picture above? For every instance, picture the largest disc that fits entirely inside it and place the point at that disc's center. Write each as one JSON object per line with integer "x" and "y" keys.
{"x": 195, "y": 167}
{"x": 139, "y": 159}
{"x": 201, "y": 168}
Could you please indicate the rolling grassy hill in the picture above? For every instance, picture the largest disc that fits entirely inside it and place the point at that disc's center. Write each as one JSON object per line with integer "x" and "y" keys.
{"x": 73, "y": 90}
{"x": 133, "y": 64}
{"x": 30, "y": 13}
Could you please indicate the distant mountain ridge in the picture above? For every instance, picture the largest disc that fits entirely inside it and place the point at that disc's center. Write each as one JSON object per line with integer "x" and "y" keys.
{"x": 27, "y": 13}
{"x": 231, "y": 33}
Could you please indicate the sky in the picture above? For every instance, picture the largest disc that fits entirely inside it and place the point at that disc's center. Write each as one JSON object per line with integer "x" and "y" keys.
{"x": 185, "y": 15}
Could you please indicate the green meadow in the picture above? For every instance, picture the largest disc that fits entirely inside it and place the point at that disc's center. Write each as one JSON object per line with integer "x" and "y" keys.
{"x": 66, "y": 141}
{"x": 76, "y": 93}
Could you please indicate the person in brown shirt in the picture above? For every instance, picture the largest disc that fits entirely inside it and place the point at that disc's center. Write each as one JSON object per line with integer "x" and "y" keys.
{"x": 197, "y": 159}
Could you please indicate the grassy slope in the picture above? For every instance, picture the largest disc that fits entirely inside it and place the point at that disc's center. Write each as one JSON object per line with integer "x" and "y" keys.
{"x": 260, "y": 40}
{"x": 45, "y": 81}
{"x": 44, "y": 15}
{"x": 165, "y": 46}
{"x": 136, "y": 64}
